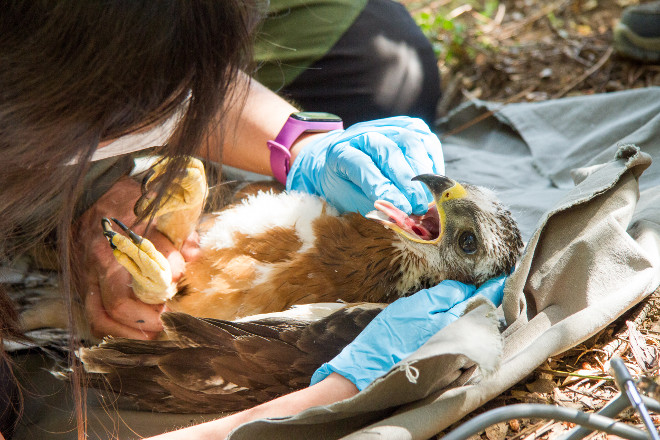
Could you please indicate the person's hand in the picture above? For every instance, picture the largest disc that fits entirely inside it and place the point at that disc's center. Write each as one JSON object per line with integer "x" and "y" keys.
{"x": 110, "y": 305}
{"x": 368, "y": 161}
{"x": 403, "y": 327}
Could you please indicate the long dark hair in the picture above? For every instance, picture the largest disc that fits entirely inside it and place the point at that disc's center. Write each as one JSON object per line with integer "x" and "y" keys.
{"x": 75, "y": 73}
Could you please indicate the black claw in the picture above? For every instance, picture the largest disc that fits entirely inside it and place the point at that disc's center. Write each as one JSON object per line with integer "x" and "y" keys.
{"x": 145, "y": 181}
{"x": 108, "y": 232}
{"x": 145, "y": 190}
{"x": 136, "y": 208}
{"x": 132, "y": 235}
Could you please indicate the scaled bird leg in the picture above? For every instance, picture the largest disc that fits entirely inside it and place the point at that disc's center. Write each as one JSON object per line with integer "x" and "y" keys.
{"x": 152, "y": 276}
{"x": 179, "y": 211}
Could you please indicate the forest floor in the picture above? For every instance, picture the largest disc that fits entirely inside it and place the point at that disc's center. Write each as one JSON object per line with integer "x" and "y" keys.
{"x": 528, "y": 50}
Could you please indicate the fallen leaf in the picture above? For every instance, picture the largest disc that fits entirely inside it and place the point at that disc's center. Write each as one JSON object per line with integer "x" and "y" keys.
{"x": 546, "y": 73}
{"x": 642, "y": 352}
{"x": 589, "y": 5}
{"x": 563, "y": 399}
{"x": 585, "y": 30}
{"x": 543, "y": 386}
{"x": 558, "y": 429}
{"x": 497, "y": 431}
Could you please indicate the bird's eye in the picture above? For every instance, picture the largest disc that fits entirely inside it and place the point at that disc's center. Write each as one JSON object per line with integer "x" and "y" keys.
{"x": 468, "y": 242}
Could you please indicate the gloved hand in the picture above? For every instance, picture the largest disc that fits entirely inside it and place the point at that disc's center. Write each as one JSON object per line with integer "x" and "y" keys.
{"x": 403, "y": 327}
{"x": 368, "y": 161}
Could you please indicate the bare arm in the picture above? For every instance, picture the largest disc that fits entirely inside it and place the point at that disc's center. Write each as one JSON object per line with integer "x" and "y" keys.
{"x": 251, "y": 118}
{"x": 332, "y": 389}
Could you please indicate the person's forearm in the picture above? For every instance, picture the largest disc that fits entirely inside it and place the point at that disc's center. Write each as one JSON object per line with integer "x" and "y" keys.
{"x": 332, "y": 389}
{"x": 249, "y": 122}
{"x": 250, "y": 119}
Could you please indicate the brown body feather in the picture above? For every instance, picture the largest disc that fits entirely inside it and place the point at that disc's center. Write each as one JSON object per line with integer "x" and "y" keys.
{"x": 354, "y": 260}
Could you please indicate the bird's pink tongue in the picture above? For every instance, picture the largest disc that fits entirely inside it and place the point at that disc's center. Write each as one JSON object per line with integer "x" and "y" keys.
{"x": 413, "y": 224}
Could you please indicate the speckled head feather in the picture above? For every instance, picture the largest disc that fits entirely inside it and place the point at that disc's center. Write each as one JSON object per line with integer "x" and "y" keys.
{"x": 482, "y": 238}
{"x": 467, "y": 234}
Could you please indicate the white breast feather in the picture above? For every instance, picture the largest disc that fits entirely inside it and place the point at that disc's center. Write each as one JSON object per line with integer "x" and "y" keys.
{"x": 266, "y": 210}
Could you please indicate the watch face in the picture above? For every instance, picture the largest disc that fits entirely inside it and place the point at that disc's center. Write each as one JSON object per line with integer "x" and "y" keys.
{"x": 316, "y": 117}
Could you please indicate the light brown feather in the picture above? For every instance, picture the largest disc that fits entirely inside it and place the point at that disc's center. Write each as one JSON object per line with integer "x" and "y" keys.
{"x": 353, "y": 260}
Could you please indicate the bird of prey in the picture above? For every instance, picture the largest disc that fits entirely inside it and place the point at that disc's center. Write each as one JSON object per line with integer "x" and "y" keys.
{"x": 229, "y": 341}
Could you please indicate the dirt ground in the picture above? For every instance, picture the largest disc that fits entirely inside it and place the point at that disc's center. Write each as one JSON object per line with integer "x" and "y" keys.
{"x": 528, "y": 50}
{"x": 531, "y": 50}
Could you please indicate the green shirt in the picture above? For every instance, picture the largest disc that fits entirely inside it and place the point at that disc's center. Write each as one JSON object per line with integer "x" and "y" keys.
{"x": 296, "y": 33}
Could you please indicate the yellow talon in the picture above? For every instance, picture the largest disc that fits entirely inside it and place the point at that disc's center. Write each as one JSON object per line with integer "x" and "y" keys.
{"x": 176, "y": 218}
{"x": 182, "y": 205}
{"x": 152, "y": 276}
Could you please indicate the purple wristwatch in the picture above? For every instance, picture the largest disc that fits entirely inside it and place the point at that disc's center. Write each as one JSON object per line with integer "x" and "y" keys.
{"x": 297, "y": 124}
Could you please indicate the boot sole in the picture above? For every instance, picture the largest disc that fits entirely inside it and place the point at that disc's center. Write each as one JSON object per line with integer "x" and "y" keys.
{"x": 628, "y": 43}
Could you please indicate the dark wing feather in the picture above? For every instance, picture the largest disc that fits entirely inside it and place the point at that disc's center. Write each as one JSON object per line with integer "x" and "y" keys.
{"x": 191, "y": 331}
{"x": 212, "y": 365}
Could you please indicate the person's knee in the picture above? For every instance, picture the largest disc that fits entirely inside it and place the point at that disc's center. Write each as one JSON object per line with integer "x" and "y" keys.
{"x": 408, "y": 83}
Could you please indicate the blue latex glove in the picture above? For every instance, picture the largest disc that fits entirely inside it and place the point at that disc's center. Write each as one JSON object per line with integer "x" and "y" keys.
{"x": 403, "y": 327}
{"x": 368, "y": 161}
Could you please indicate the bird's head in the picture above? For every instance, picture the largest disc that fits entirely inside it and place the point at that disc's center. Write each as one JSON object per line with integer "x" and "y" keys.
{"x": 466, "y": 233}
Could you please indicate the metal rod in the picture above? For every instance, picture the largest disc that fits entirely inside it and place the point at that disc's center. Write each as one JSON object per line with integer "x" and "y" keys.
{"x": 612, "y": 409}
{"x": 627, "y": 386}
{"x": 592, "y": 421}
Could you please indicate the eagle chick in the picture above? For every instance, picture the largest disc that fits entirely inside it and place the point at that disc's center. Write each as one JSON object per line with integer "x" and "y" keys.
{"x": 230, "y": 342}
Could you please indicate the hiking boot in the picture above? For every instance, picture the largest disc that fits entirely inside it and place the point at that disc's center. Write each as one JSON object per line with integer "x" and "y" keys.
{"x": 637, "y": 35}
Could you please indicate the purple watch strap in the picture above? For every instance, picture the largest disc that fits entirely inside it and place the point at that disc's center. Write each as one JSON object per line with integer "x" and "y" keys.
{"x": 280, "y": 155}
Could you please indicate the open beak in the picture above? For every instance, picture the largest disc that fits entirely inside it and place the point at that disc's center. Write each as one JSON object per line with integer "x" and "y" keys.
{"x": 427, "y": 228}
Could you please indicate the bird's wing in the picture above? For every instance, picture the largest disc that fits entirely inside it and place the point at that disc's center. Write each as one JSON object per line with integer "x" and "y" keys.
{"x": 213, "y": 365}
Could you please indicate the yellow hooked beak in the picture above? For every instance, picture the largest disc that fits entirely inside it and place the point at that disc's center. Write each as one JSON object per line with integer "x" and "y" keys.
{"x": 428, "y": 228}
